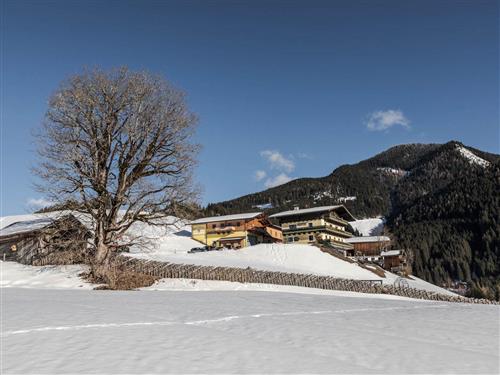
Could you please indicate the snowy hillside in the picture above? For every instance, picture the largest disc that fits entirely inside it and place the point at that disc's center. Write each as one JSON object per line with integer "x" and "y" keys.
{"x": 369, "y": 227}
{"x": 393, "y": 171}
{"x": 471, "y": 157}
{"x": 171, "y": 243}
{"x": 271, "y": 257}
{"x": 304, "y": 259}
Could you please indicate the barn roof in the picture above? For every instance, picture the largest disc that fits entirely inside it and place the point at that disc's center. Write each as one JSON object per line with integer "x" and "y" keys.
{"x": 23, "y": 224}
{"x": 365, "y": 239}
{"x": 320, "y": 209}
{"x": 26, "y": 226}
{"x": 390, "y": 253}
{"x": 211, "y": 219}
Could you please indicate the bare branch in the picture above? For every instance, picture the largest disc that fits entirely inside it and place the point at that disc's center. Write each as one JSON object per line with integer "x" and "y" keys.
{"x": 118, "y": 146}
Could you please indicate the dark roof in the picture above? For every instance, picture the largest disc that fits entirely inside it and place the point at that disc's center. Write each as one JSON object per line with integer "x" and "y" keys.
{"x": 319, "y": 210}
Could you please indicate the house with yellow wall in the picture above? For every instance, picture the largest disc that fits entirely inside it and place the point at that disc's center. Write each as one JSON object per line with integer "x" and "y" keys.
{"x": 235, "y": 231}
{"x": 316, "y": 224}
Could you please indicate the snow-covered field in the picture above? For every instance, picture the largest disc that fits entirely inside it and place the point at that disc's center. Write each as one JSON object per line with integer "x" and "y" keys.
{"x": 77, "y": 331}
{"x": 15, "y": 275}
{"x": 52, "y": 322}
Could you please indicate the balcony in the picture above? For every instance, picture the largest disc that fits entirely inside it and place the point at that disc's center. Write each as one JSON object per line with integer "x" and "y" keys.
{"x": 223, "y": 229}
{"x": 321, "y": 228}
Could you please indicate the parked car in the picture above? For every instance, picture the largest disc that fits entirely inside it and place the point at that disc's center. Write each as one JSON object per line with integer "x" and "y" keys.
{"x": 199, "y": 249}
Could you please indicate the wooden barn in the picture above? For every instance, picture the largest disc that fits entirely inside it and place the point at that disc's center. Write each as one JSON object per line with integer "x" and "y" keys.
{"x": 32, "y": 241}
{"x": 369, "y": 245}
{"x": 394, "y": 261}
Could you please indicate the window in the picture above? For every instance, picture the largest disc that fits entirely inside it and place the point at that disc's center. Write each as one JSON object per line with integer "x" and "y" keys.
{"x": 293, "y": 226}
{"x": 214, "y": 226}
{"x": 311, "y": 238}
{"x": 290, "y": 239}
{"x": 310, "y": 225}
{"x": 295, "y": 239}
{"x": 238, "y": 224}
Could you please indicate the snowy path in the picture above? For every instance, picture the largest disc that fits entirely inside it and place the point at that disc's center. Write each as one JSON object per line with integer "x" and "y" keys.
{"x": 79, "y": 331}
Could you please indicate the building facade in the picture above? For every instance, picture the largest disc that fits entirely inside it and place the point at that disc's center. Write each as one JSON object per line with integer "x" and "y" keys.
{"x": 317, "y": 224}
{"x": 369, "y": 246}
{"x": 395, "y": 261}
{"x": 235, "y": 231}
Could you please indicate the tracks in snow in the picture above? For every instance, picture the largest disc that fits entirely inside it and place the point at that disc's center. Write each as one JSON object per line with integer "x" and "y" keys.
{"x": 206, "y": 321}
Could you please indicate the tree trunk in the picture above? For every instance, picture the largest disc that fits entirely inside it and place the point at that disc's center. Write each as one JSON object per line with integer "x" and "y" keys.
{"x": 102, "y": 254}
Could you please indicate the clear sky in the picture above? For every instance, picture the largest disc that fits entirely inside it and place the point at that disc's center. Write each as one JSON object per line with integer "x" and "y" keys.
{"x": 283, "y": 89}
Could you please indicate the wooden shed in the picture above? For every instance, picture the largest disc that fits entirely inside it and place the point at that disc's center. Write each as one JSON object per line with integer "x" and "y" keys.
{"x": 394, "y": 260}
{"x": 369, "y": 245}
{"x": 32, "y": 241}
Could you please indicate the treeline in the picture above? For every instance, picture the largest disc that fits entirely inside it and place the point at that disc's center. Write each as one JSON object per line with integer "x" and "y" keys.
{"x": 448, "y": 213}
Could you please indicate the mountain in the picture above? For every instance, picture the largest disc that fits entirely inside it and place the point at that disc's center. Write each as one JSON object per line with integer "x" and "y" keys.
{"x": 364, "y": 188}
{"x": 441, "y": 201}
{"x": 447, "y": 211}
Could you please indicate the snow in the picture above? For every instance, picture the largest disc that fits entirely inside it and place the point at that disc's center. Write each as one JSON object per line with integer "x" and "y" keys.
{"x": 195, "y": 285}
{"x": 6, "y": 221}
{"x": 471, "y": 157}
{"x": 79, "y": 331}
{"x": 369, "y": 227}
{"x": 24, "y": 220}
{"x": 26, "y": 226}
{"x": 292, "y": 258}
{"x": 16, "y": 275}
{"x": 390, "y": 253}
{"x": 171, "y": 244}
{"x": 393, "y": 171}
{"x": 305, "y": 211}
{"x": 345, "y": 199}
{"x": 367, "y": 239}
{"x": 321, "y": 195}
{"x": 264, "y": 206}
{"x": 244, "y": 216}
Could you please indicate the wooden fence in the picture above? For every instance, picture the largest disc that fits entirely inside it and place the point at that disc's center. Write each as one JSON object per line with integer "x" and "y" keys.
{"x": 249, "y": 275}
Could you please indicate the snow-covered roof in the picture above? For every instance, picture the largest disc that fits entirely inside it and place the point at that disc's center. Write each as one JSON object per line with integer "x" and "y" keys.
{"x": 367, "y": 239}
{"x": 244, "y": 216}
{"x": 26, "y": 226}
{"x": 312, "y": 210}
{"x": 6, "y": 221}
{"x": 390, "y": 253}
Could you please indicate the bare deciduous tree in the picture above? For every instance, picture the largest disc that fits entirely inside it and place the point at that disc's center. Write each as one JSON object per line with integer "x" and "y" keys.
{"x": 117, "y": 146}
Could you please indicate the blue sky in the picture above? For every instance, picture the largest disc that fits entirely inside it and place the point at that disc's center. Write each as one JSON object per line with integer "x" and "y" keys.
{"x": 283, "y": 89}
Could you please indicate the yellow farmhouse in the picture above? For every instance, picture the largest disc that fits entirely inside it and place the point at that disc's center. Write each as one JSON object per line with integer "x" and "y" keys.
{"x": 235, "y": 231}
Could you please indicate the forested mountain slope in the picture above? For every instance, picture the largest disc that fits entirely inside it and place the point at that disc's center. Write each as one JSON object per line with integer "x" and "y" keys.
{"x": 364, "y": 187}
{"x": 448, "y": 212}
{"x": 441, "y": 201}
